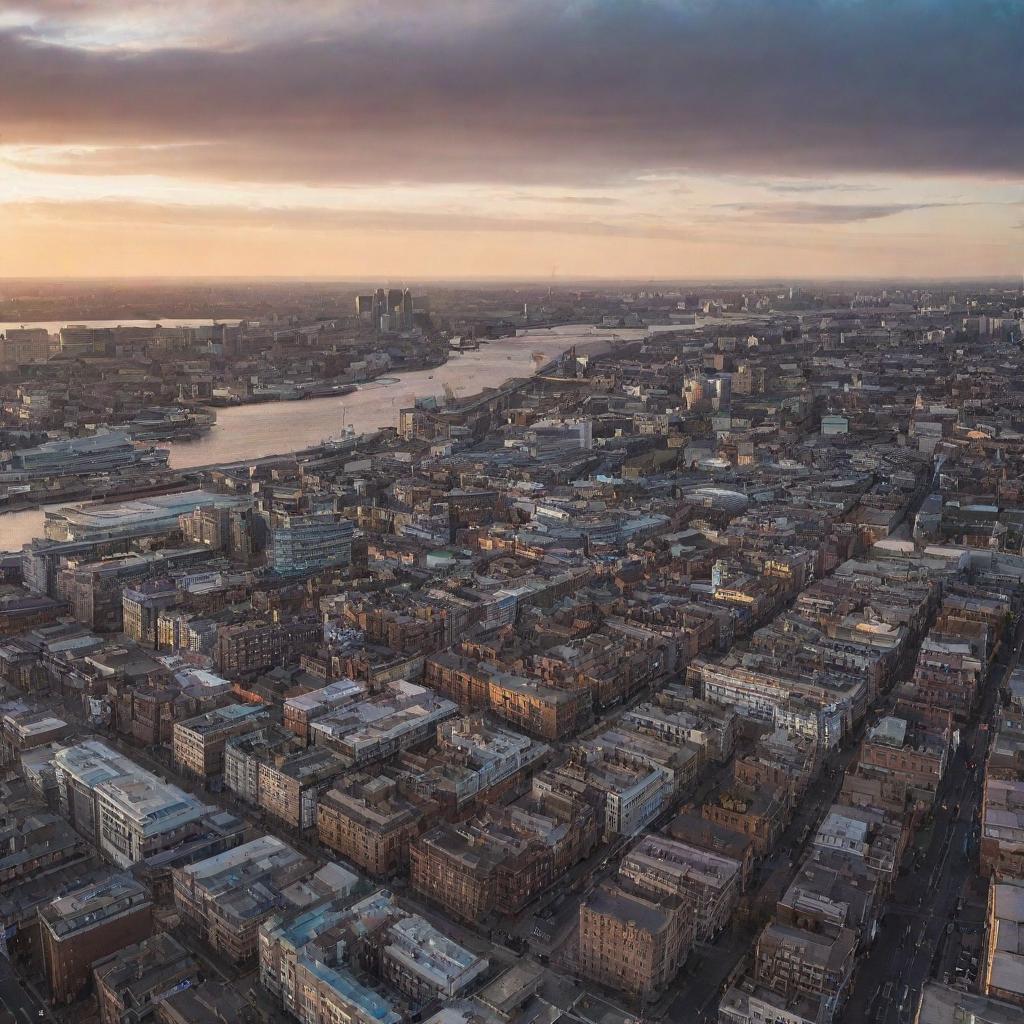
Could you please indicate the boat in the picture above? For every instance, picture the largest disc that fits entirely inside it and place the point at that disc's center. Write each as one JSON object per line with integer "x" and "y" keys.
{"x": 171, "y": 423}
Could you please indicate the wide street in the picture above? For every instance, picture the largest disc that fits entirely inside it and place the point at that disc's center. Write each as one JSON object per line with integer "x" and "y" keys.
{"x": 922, "y": 911}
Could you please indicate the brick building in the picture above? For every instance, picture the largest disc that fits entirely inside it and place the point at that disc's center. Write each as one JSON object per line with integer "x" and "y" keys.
{"x": 632, "y": 943}
{"x": 87, "y": 924}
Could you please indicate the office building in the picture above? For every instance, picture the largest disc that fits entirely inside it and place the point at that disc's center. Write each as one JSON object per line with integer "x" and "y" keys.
{"x": 126, "y": 811}
{"x": 303, "y": 544}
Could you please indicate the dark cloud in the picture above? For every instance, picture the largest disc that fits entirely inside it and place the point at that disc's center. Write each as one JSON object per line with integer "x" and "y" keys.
{"x": 581, "y": 93}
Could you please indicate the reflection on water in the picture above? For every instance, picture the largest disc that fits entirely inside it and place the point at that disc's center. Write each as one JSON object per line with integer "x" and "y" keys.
{"x": 251, "y": 431}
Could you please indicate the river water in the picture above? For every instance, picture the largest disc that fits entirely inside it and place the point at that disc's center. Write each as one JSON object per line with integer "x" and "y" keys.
{"x": 272, "y": 428}
{"x": 53, "y": 326}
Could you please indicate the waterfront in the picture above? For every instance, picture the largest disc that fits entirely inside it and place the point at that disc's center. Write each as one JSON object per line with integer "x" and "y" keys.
{"x": 54, "y": 326}
{"x": 270, "y": 428}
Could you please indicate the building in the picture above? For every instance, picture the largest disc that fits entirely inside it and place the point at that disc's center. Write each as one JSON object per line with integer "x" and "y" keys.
{"x": 305, "y": 959}
{"x": 503, "y": 858}
{"x": 798, "y": 962}
{"x": 304, "y": 708}
{"x": 366, "y": 820}
{"x": 227, "y": 897}
{"x": 140, "y": 517}
{"x": 425, "y": 965}
{"x": 245, "y": 648}
{"x": 629, "y": 793}
{"x": 232, "y": 529}
{"x": 1002, "y": 828}
{"x": 751, "y": 1003}
{"x": 268, "y": 768}
{"x": 211, "y": 1002}
{"x": 130, "y": 982}
{"x": 708, "y": 883}
{"x": 944, "y": 1004}
{"x": 105, "y": 452}
{"x": 301, "y": 545}
{"x": 22, "y": 728}
{"x": 709, "y": 726}
{"x": 632, "y": 943}
{"x": 472, "y": 763}
{"x": 88, "y": 924}
{"x": 141, "y": 605}
{"x": 403, "y": 715}
{"x": 480, "y": 867}
{"x": 126, "y": 811}
{"x": 198, "y": 743}
{"x": 759, "y": 814}
{"x": 1002, "y": 971}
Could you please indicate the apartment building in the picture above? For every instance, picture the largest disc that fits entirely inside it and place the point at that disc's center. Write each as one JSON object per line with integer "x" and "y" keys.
{"x": 198, "y": 743}
{"x": 303, "y": 709}
{"x": 227, "y": 897}
{"x": 87, "y": 924}
{"x": 404, "y": 715}
{"x": 632, "y": 943}
{"x": 269, "y": 768}
{"x": 128, "y": 983}
{"x": 365, "y": 819}
{"x": 708, "y": 883}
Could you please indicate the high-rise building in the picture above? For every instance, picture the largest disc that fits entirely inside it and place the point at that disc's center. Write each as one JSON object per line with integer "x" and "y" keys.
{"x": 364, "y": 307}
{"x": 310, "y": 543}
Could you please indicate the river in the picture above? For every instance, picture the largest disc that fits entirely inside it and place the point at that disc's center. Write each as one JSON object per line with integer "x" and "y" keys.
{"x": 54, "y": 326}
{"x": 271, "y": 428}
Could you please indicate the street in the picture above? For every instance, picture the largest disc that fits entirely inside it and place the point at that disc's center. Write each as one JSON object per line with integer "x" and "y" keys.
{"x": 924, "y": 903}
{"x": 16, "y": 999}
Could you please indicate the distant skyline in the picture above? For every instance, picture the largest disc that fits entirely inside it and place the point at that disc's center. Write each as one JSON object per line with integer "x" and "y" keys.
{"x": 526, "y": 139}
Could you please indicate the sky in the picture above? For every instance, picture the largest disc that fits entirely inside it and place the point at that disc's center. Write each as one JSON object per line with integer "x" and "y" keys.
{"x": 529, "y": 139}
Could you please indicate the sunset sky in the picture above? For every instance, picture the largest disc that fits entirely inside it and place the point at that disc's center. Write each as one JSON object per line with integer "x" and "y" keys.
{"x": 520, "y": 138}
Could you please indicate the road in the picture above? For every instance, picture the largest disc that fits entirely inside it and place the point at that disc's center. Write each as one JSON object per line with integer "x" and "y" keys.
{"x": 16, "y": 999}
{"x": 924, "y": 903}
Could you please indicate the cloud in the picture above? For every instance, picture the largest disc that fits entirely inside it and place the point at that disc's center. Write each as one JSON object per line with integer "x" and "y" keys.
{"x": 802, "y": 187}
{"x": 825, "y": 213}
{"x": 133, "y": 213}
{"x": 574, "y": 94}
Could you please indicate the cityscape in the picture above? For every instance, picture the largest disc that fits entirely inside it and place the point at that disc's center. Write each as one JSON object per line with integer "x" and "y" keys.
{"x": 511, "y": 513}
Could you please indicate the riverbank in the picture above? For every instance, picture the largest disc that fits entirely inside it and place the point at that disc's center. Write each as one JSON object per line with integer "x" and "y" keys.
{"x": 278, "y": 428}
